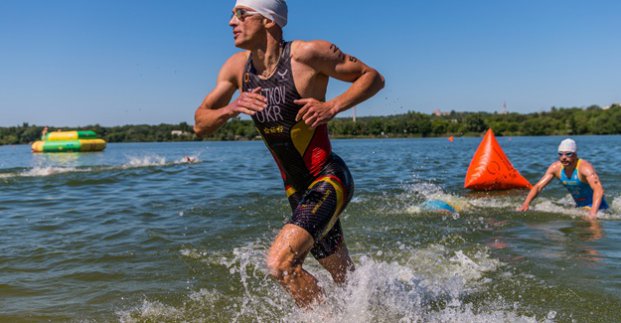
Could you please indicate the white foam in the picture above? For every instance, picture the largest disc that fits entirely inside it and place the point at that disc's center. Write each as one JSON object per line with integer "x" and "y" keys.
{"x": 43, "y": 171}
{"x": 152, "y": 311}
{"x": 47, "y": 171}
{"x": 410, "y": 201}
{"x": 616, "y": 203}
{"x": 427, "y": 189}
{"x": 402, "y": 285}
{"x": 562, "y": 206}
{"x": 7, "y": 175}
{"x": 145, "y": 161}
{"x": 193, "y": 253}
{"x": 496, "y": 202}
{"x": 615, "y": 209}
{"x": 565, "y": 206}
{"x": 155, "y": 160}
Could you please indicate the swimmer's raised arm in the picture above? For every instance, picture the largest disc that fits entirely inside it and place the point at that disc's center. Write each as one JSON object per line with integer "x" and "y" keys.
{"x": 329, "y": 60}
{"x": 537, "y": 188}
{"x": 215, "y": 109}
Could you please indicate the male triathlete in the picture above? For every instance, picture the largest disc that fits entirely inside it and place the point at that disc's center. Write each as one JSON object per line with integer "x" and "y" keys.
{"x": 283, "y": 87}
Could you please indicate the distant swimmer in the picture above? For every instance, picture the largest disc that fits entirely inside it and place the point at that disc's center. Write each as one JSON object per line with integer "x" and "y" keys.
{"x": 283, "y": 88}
{"x": 438, "y": 206}
{"x": 43, "y": 133}
{"x": 577, "y": 175}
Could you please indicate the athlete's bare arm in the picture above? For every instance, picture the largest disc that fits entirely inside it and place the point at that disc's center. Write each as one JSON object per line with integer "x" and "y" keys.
{"x": 588, "y": 173}
{"x": 216, "y": 110}
{"x": 327, "y": 59}
{"x": 552, "y": 172}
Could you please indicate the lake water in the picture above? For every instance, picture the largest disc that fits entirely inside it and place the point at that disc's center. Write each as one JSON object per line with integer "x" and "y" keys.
{"x": 137, "y": 234}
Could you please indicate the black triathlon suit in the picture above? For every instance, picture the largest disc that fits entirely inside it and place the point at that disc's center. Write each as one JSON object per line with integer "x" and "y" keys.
{"x": 317, "y": 181}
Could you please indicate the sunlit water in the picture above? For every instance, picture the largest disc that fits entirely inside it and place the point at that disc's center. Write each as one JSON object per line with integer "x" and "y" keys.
{"x": 139, "y": 233}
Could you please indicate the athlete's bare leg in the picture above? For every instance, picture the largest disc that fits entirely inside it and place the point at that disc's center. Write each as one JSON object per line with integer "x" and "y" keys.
{"x": 284, "y": 261}
{"x": 339, "y": 264}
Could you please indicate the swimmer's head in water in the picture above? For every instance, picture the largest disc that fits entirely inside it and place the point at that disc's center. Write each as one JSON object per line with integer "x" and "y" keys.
{"x": 438, "y": 206}
{"x": 274, "y": 10}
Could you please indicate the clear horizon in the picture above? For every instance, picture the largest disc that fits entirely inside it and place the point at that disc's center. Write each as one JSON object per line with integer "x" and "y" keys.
{"x": 75, "y": 63}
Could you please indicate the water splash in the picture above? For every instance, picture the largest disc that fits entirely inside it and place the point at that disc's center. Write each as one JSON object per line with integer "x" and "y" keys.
{"x": 427, "y": 284}
{"x": 415, "y": 194}
{"x": 133, "y": 162}
{"x": 43, "y": 171}
{"x": 565, "y": 206}
{"x": 190, "y": 159}
{"x": 151, "y": 311}
{"x": 145, "y": 161}
{"x": 156, "y": 160}
{"x": 420, "y": 192}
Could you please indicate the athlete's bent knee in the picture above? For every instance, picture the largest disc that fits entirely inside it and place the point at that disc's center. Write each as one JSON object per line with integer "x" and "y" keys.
{"x": 282, "y": 270}
{"x": 278, "y": 268}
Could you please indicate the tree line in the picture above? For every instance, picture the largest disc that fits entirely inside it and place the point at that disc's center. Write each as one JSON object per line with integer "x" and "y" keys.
{"x": 557, "y": 121}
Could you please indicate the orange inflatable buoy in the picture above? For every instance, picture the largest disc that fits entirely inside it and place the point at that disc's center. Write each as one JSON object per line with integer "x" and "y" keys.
{"x": 451, "y": 138}
{"x": 490, "y": 169}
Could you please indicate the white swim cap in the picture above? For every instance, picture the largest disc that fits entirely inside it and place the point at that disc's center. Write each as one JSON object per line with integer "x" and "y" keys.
{"x": 274, "y": 10}
{"x": 568, "y": 145}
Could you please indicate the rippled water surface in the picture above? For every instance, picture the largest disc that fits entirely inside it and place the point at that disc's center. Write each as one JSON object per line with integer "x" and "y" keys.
{"x": 139, "y": 233}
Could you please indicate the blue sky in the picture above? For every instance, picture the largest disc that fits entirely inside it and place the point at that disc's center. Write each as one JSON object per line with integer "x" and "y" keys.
{"x": 116, "y": 62}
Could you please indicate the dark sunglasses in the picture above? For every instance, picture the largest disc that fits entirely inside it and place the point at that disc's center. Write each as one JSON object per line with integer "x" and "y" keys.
{"x": 241, "y": 14}
{"x": 569, "y": 154}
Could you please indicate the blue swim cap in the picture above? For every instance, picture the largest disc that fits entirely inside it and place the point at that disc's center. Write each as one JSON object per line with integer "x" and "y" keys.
{"x": 437, "y": 205}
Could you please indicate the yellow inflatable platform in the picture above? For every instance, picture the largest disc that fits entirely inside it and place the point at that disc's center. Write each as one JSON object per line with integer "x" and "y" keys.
{"x": 69, "y": 141}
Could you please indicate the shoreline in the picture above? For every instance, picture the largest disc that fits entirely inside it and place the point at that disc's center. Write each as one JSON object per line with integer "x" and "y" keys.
{"x": 349, "y": 138}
